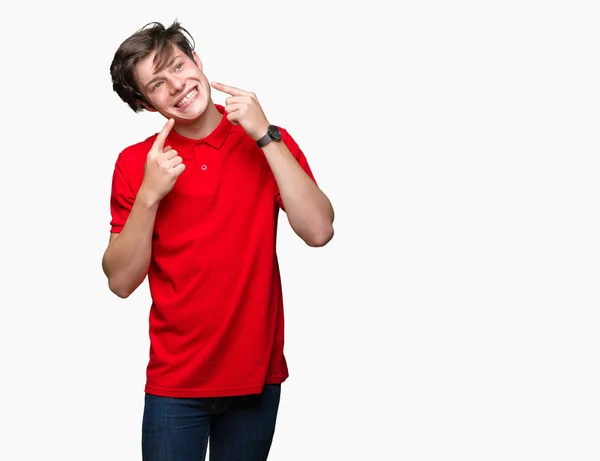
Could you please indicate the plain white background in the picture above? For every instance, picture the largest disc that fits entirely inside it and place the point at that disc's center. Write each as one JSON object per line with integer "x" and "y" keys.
{"x": 455, "y": 314}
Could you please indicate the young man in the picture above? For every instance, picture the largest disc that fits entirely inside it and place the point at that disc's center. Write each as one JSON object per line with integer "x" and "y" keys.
{"x": 195, "y": 208}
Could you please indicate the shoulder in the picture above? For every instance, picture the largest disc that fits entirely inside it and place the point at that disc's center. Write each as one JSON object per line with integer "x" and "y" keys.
{"x": 133, "y": 155}
{"x": 139, "y": 149}
{"x": 130, "y": 163}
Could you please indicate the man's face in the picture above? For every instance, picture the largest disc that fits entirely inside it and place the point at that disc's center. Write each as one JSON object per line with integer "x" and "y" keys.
{"x": 179, "y": 91}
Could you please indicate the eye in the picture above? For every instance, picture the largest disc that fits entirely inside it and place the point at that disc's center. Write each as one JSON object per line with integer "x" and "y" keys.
{"x": 156, "y": 86}
{"x": 179, "y": 66}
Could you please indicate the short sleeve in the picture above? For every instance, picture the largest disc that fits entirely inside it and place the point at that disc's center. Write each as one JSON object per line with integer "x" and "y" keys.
{"x": 300, "y": 158}
{"x": 121, "y": 200}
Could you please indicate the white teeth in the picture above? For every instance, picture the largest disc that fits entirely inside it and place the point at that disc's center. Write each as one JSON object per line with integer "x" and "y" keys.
{"x": 189, "y": 96}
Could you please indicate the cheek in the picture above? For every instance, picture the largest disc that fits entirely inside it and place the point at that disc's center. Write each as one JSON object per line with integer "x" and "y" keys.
{"x": 160, "y": 100}
{"x": 199, "y": 76}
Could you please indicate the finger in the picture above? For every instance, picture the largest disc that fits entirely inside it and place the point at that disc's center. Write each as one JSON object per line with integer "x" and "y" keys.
{"x": 229, "y": 89}
{"x": 167, "y": 149}
{"x": 159, "y": 142}
{"x": 179, "y": 169}
{"x": 233, "y": 117}
{"x": 175, "y": 161}
{"x": 229, "y": 108}
{"x": 238, "y": 99}
{"x": 168, "y": 155}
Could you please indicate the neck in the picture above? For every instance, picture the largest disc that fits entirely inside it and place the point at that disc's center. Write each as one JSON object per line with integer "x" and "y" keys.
{"x": 203, "y": 125}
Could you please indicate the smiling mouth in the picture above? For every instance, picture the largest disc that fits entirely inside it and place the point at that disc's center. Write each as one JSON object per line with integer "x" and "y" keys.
{"x": 187, "y": 99}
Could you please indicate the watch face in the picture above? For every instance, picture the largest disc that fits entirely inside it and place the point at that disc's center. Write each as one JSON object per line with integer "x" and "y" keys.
{"x": 274, "y": 133}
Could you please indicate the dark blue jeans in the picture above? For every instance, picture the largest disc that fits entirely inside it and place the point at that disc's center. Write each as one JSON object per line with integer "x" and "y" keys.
{"x": 239, "y": 428}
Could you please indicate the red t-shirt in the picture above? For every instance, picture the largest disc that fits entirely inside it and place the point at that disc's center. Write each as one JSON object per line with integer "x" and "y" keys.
{"x": 216, "y": 320}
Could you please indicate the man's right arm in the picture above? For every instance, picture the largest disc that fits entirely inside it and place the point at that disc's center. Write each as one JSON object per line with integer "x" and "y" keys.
{"x": 127, "y": 258}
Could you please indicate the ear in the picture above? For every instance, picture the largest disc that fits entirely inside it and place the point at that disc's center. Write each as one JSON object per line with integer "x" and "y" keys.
{"x": 197, "y": 60}
{"x": 146, "y": 106}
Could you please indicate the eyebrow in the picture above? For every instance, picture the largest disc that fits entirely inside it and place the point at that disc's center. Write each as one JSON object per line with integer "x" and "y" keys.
{"x": 158, "y": 76}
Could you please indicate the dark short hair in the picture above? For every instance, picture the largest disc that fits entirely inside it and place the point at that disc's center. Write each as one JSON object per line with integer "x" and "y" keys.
{"x": 153, "y": 36}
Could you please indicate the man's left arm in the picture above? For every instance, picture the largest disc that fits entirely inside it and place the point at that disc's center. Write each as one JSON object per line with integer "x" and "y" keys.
{"x": 308, "y": 209}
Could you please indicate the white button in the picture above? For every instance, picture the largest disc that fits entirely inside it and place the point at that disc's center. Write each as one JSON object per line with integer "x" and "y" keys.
{"x": 204, "y": 167}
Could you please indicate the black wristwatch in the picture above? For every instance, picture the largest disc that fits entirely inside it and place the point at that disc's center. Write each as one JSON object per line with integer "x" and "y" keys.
{"x": 273, "y": 134}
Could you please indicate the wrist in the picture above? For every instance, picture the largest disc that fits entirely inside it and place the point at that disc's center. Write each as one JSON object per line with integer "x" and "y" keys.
{"x": 271, "y": 133}
{"x": 147, "y": 198}
{"x": 261, "y": 132}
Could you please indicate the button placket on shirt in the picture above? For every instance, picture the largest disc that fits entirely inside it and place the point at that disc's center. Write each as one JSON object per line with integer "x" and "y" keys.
{"x": 202, "y": 154}
{"x": 200, "y": 158}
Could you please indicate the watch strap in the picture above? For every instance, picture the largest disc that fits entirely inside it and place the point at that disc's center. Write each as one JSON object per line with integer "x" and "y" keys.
{"x": 266, "y": 139}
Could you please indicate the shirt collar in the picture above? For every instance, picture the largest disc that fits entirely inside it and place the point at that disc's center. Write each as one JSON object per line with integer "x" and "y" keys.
{"x": 215, "y": 139}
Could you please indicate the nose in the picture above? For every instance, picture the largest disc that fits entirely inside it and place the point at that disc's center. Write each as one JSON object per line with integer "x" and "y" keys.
{"x": 176, "y": 85}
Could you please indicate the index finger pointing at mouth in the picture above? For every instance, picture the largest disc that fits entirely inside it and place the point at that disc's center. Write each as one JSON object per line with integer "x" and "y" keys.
{"x": 228, "y": 89}
{"x": 159, "y": 142}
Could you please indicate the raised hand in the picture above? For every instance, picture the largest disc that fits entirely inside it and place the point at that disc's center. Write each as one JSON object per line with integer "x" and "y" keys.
{"x": 243, "y": 109}
{"x": 163, "y": 166}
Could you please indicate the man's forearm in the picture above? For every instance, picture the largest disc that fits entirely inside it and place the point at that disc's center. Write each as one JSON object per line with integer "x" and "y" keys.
{"x": 127, "y": 258}
{"x": 308, "y": 209}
